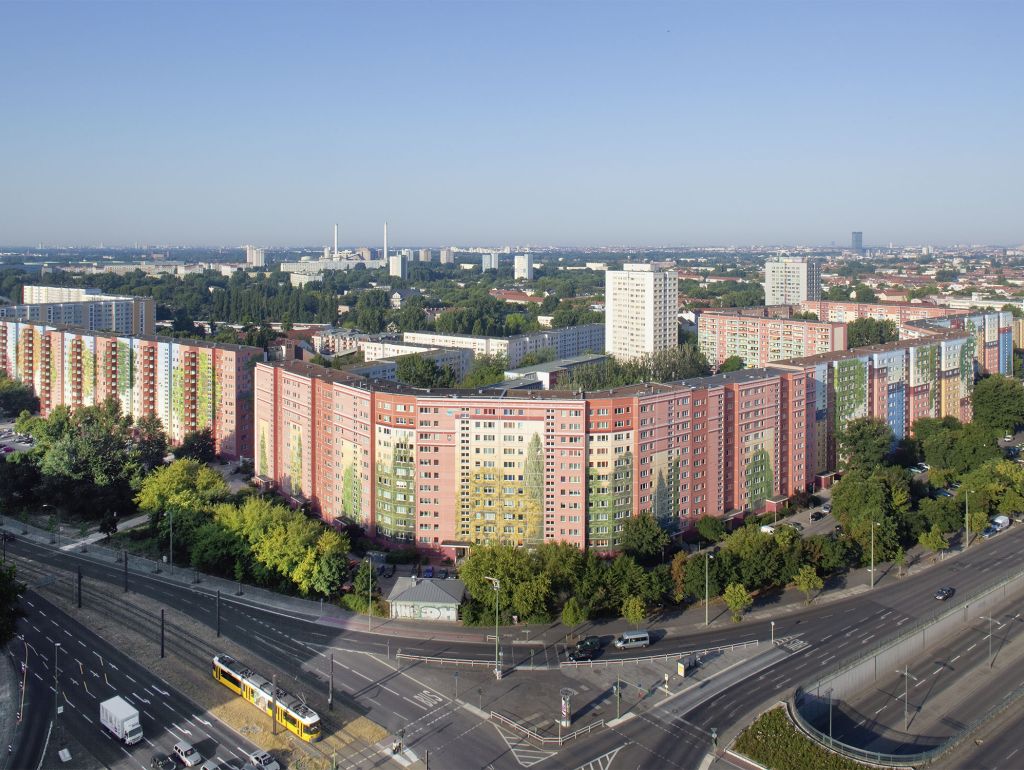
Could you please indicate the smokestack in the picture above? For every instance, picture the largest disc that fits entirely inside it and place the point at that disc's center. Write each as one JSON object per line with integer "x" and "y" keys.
{"x": 335, "y": 241}
{"x": 385, "y": 243}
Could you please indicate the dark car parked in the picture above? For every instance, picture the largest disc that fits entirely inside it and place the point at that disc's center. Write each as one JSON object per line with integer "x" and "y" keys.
{"x": 944, "y": 593}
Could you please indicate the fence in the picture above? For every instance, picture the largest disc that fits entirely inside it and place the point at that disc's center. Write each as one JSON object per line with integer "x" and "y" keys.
{"x": 650, "y": 658}
{"x": 544, "y": 740}
{"x": 809, "y": 706}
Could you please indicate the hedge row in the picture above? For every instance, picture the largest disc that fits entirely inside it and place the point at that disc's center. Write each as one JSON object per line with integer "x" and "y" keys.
{"x": 775, "y": 742}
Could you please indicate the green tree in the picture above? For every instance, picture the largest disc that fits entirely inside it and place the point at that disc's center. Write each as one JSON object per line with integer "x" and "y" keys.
{"x": 323, "y": 565}
{"x": 711, "y": 528}
{"x": 108, "y": 524}
{"x": 365, "y": 583}
{"x": 371, "y": 310}
{"x": 198, "y": 445}
{"x": 422, "y": 372}
{"x": 486, "y": 370}
{"x": 678, "y": 568}
{"x": 633, "y": 610}
{"x": 808, "y": 581}
{"x": 868, "y": 331}
{"x": 16, "y": 397}
{"x": 573, "y": 615}
{"x": 10, "y": 602}
{"x": 732, "y": 364}
{"x": 999, "y": 403}
{"x": 738, "y": 600}
{"x": 642, "y": 537}
{"x": 864, "y": 443}
{"x": 149, "y": 442}
{"x": 933, "y": 540}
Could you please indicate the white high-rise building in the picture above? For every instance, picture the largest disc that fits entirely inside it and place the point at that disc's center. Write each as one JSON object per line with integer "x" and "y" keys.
{"x": 489, "y": 261}
{"x": 447, "y": 257}
{"x": 641, "y": 308}
{"x": 524, "y": 267}
{"x": 789, "y": 280}
{"x": 254, "y": 257}
{"x": 396, "y": 265}
{"x": 424, "y": 255}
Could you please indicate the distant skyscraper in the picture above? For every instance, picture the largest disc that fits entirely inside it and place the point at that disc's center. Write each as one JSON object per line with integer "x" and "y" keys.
{"x": 396, "y": 265}
{"x": 489, "y": 261}
{"x": 789, "y": 280}
{"x": 424, "y": 255}
{"x": 447, "y": 257}
{"x": 254, "y": 257}
{"x": 524, "y": 267}
{"x": 641, "y": 308}
{"x": 857, "y": 241}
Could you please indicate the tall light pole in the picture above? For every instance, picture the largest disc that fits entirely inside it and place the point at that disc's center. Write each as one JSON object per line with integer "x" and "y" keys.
{"x": 829, "y": 693}
{"x": 56, "y": 688}
{"x": 170, "y": 548}
{"x": 497, "y": 595}
{"x": 56, "y": 514}
{"x": 707, "y": 588}
{"x": 873, "y": 525}
{"x": 773, "y": 633}
{"x": 989, "y": 619}
{"x": 967, "y": 517}
{"x": 907, "y": 676}
{"x": 369, "y": 599}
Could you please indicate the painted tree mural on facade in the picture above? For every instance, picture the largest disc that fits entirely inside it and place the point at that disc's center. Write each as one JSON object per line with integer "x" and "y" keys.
{"x": 295, "y": 440}
{"x": 609, "y": 501}
{"x": 759, "y": 476}
{"x": 851, "y": 391}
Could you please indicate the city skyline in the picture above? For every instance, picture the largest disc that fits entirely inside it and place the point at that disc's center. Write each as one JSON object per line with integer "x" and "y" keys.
{"x": 562, "y": 123}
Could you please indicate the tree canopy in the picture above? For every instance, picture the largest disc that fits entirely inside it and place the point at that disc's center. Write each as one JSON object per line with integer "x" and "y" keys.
{"x": 16, "y": 397}
{"x": 869, "y": 331}
{"x": 864, "y": 443}
{"x": 999, "y": 403}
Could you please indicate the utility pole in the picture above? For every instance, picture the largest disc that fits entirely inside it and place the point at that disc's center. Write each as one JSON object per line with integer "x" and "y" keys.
{"x": 56, "y": 691}
{"x": 873, "y": 525}
{"x": 707, "y": 588}
{"x": 218, "y": 614}
{"x": 369, "y": 600}
{"x": 79, "y": 587}
{"x": 125, "y": 571}
{"x": 170, "y": 549}
{"x": 273, "y": 706}
{"x": 330, "y": 690}
{"x": 161, "y": 632}
{"x": 497, "y": 596}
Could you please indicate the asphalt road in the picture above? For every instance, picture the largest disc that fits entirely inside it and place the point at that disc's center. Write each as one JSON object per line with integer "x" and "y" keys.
{"x": 89, "y": 670}
{"x": 818, "y": 637}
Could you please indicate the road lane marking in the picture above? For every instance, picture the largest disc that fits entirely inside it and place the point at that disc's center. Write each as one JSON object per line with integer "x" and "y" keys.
{"x": 955, "y": 659}
{"x": 82, "y": 643}
{"x": 972, "y": 647}
{"x": 937, "y": 671}
{"x": 417, "y": 705}
{"x": 131, "y": 679}
{"x": 867, "y": 639}
{"x": 66, "y": 631}
{"x": 86, "y": 717}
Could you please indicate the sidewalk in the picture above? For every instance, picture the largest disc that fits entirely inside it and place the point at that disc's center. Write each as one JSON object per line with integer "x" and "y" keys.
{"x": 675, "y": 622}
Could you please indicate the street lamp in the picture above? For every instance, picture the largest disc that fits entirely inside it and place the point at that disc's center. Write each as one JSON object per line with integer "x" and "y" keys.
{"x": 829, "y": 693}
{"x": 907, "y": 676}
{"x": 873, "y": 525}
{"x": 170, "y": 548}
{"x": 989, "y": 619}
{"x": 773, "y": 633}
{"x": 707, "y": 590}
{"x": 369, "y": 599}
{"x": 967, "y": 518}
{"x": 56, "y": 513}
{"x": 497, "y": 595}
{"x": 56, "y": 689}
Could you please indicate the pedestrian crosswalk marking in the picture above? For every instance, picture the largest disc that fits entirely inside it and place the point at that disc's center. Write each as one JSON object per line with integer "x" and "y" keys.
{"x": 602, "y": 762}
{"x": 524, "y": 752}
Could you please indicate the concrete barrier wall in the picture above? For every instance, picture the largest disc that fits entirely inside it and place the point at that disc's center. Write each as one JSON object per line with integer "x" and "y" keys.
{"x": 813, "y": 699}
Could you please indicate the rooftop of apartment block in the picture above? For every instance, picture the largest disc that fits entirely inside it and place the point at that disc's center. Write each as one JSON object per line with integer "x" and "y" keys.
{"x": 144, "y": 337}
{"x": 867, "y": 350}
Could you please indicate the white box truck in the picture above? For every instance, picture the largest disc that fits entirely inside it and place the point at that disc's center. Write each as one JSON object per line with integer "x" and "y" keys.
{"x": 122, "y": 719}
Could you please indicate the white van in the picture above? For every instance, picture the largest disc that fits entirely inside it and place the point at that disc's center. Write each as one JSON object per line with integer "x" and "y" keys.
{"x": 1000, "y": 522}
{"x": 630, "y": 639}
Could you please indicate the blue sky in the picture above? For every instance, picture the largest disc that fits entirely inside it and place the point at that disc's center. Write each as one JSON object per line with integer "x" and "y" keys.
{"x": 491, "y": 122}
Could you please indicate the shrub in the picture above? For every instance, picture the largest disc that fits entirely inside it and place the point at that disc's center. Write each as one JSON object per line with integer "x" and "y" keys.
{"x": 775, "y": 742}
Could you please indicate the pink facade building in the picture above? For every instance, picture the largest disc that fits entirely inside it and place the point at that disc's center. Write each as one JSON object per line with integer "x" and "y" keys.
{"x": 759, "y": 340}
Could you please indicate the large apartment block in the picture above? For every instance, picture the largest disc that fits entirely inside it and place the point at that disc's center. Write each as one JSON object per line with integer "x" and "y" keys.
{"x": 85, "y": 308}
{"x": 789, "y": 280}
{"x": 898, "y": 312}
{"x": 759, "y": 341}
{"x": 641, "y": 310}
{"x": 189, "y": 385}
{"x": 445, "y": 469}
{"x": 567, "y": 343}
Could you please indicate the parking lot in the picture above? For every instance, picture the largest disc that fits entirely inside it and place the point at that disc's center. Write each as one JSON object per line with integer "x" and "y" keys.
{"x": 10, "y": 441}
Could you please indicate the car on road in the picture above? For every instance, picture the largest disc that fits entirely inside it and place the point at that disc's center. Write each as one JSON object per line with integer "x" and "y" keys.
{"x": 187, "y": 754}
{"x": 917, "y": 468}
{"x": 581, "y": 656}
{"x": 1008, "y": 437}
{"x": 944, "y": 593}
{"x": 442, "y": 574}
{"x": 827, "y": 508}
{"x": 428, "y": 572}
{"x": 817, "y": 515}
{"x": 795, "y": 525}
{"x": 161, "y": 762}
{"x": 590, "y": 643}
{"x": 263, "y": 760}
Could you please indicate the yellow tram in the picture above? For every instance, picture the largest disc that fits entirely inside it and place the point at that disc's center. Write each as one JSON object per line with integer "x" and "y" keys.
{"x": 292, "y": 713}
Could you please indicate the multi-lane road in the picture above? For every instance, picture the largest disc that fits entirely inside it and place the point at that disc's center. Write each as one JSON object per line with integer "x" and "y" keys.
{"x": 89, "y": 670}
{"x": 674, "y": 735}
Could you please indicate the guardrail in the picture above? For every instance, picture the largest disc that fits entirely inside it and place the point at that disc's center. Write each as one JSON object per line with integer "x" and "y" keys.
{"x": 803, "y": 692}
{"x": 442, "y": 660}
{"x": 650, "y": 658}
{"x": 544, "y": 740}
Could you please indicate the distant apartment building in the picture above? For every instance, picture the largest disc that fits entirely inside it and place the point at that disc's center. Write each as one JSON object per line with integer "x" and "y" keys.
{"x": 490, "y": 260}
{"x": 641, "y": 311}
{"x": 189, "y": 385}
{"x": 446, "y": 256}
{"x": 789, "y": 280}
{"x": 568, "y": 342}
{"x": 255, "y": 257}
{"x": 424, "y": 255}
{"x": 857, "y": 241}
{"x": 331, "y": 341}
{"x": 457, "y": 359}
{"x": 85, "y": 308}
{"x": 397, "y": 266}
{"x": 524, "y": 267}
{"x": 899, "y": 313}
{"x": 759, "y": 341}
